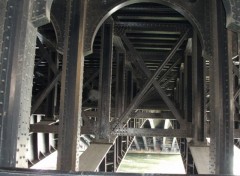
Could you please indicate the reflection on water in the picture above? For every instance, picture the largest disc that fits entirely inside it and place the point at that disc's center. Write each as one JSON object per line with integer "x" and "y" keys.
{"x": 152, "y": 163}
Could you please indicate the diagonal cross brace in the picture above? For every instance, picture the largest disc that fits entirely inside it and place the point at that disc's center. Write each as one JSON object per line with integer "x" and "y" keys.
{"x": 162, "y": 77}
{"x": 47, "y": 57}
{"x": 152, "y": 80}
{"x": 89, "y": 80}
{"x": 46, "y": 92}
{"x": 148, "y": 73}
{"x": 156, "y": 84}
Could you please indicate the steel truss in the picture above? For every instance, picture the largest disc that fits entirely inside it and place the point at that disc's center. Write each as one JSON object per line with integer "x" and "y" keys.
{"x": 98, "y": 75}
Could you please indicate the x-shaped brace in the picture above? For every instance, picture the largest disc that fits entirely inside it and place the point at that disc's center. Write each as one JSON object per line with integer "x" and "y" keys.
{"x": 151, "y": 81}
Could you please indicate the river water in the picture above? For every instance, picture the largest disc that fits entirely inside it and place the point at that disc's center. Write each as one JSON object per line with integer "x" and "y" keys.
{"x": 152, "y": 163}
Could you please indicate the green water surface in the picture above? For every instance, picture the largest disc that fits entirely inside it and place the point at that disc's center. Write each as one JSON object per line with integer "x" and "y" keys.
{"x": 152, "y": 163}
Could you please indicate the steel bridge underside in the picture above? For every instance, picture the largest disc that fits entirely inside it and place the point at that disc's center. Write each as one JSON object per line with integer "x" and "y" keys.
{"x": 93, "y": 80}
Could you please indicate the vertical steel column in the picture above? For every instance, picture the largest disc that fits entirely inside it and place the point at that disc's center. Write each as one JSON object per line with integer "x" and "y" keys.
{"x": 177, "y": 92}
{"x": 197, "y": 90}
{"x": 206, "y": 97}
{"x": 18, "y": 37}
{"x": 71, "y": 90}
{"x": 56, "y": 91}
{"x": 3, "y": 4}
{"x": 187, "y": 88}
{"x": 181, "y": 90}
{"x": 120, "y": 84}
{"x": 105, "y": 81}
{"x": 49, "y": 105}
{"x": 129, "y": 87}
{"x": 221, "y": 94}
{"x": 237, "y": 83}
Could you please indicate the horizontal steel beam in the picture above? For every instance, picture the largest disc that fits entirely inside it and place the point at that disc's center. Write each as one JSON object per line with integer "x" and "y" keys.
{"x": 43, "y": 128}
{"x": 149, "y": 106}
{"x": 180, "y": 133}
{"x": 39, "y": 128}
{"x": 139, "y": 115}
{"x": 146, "y": 26}
{"x": 144, "y": 115}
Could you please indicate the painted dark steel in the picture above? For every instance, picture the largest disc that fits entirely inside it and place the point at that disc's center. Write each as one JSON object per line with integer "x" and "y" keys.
{"x": 151, "y": 81}
{"x": 17, "y": 61}
{"x": 82, "y": 19}
{"x": 71, "y": 90}
{"x": 105, "y": 81}
{"x": 120, "y": 84}
{"x": 221, "y": 95}
{"x": 197, "y": 90}
{"x": 187, "y": 107}
{"x": 186, "y": 133}
{"x": 103, "y": 9}
{"x": 46, "y": 92}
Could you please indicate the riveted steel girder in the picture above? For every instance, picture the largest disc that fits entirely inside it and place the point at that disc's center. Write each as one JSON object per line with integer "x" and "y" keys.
{"x": 71, "y": 90}
{"x": 197, "y": 90}
{"x": 151, "y": 80}
{"x": 121, "y": 28}
{"x": 18, "y": 39}
{"x": 221, "y": 94}
{"x": 185, "y": 133}
{"x": 120, "y": 84}
{"x": 98, "y": 11}
{"x": 105, "y": 81}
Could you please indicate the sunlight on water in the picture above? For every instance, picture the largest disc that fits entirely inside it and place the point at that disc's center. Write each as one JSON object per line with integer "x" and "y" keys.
{"x": 48, "y": 163}
{"x": 143, "y": 163}
{"x": 152, "y": 163}
{"x": 236, "y": 161}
